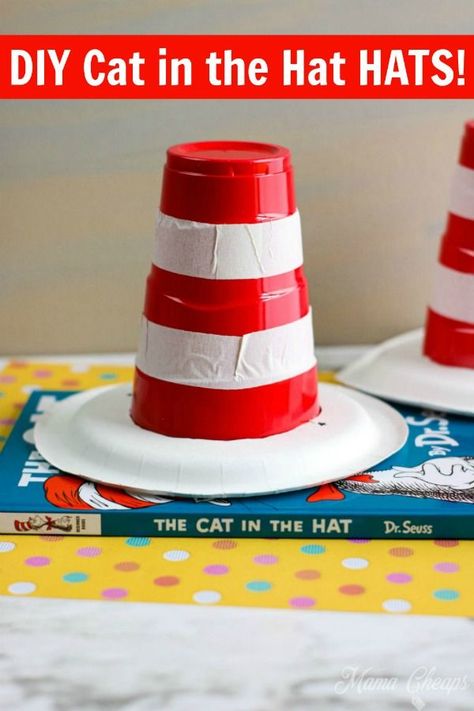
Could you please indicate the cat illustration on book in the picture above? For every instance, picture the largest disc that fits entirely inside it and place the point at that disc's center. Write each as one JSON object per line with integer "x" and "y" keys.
{"x": 447, "y": 479}
{"x": 443, "y": 478}
{"x": 72, "y": 492}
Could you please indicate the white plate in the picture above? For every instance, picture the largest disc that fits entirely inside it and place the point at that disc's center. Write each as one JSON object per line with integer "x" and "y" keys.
{"x": 92, "y": 435}
{"x": 397, "y": 370}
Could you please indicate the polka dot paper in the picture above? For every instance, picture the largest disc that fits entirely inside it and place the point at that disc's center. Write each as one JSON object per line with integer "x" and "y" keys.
{"x": 20, "y": 378}
{"x": 433, "y": 579}
{"x": 394, "y": 577}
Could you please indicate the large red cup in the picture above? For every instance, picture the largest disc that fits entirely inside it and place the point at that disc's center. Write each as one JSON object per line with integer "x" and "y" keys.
{"x": 225, "y": 182}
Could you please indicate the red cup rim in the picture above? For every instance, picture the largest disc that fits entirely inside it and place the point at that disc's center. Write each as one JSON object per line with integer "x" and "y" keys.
{"x": 228, "y": 158}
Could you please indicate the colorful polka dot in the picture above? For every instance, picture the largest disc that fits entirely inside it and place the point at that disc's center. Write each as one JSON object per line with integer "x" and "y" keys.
{"x": 137, "y": 542}
{"x": 446, "y": 543}
{"x": 216, "y": 569}
{"x": 313, "y": 549}
{"x": 307, "y": 574}
{"x": 7, "y": 546}
{"x": 302, "y": 602}
{"x": 396, "y": 605}
{"x": 258, "y": 586}
{"x": 7, "y": 421}
{"x": 89, "y": 551}
{"x": 446, "y": 595}
{"x": 38, "y": 561}
{"x": 18, "y": 364}
{"x": 446, "y": 567}
{"x": 51, "y": 539}
{"x": 70, "y": 382}
{"x": 126, "y": 566}
{"x": 80, "y": 368}
{"x": 7, "y": 378}
{"x": 43, "y": 373}
{"x": 360, "y": 541}
{"x": 265, "y": 559}
{"x": 224, "y": 545}
{"x": 399, "y": 578}
{"x": 75, "y": 577}
{"x": 207, "y": 597}
{"x": 114, "y": 593}
{"x": 401, "y": 552}
{"x": 352, "y": 589}
{"x": 176, "y": 556}
{"x": 166, "y": 581}
{"x": 355, "y": 563}
{"x": 21, "y": 588}
{"x": 108, "y": 376}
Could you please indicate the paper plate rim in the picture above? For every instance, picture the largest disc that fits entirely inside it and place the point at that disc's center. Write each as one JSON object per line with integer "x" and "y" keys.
{"x": 54, "y": 439}
{"x": 353, "y": 376}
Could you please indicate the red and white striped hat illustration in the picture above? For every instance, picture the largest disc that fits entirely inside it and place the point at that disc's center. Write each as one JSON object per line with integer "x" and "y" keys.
{"x": 225, "y": 400}
{"x": 436, "y": 369}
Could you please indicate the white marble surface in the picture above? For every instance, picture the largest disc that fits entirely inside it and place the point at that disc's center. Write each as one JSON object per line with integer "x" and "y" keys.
{"x": 57, "y": 655}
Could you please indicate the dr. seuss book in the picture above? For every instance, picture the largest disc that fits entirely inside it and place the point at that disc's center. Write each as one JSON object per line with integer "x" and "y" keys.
{"x": 426, "y": 490}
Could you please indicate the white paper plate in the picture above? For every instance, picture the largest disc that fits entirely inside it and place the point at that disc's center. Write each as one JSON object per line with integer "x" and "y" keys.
{"x": 397, "y": 370}
{"x": 91, "y": 435}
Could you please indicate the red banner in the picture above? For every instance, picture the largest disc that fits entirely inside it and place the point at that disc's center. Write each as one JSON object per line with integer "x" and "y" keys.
{"x": 237, "y": 66}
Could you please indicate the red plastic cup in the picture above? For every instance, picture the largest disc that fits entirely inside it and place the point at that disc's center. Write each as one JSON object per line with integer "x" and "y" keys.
{"x": 466, "y": 154}
{"x": 228, "y": 182}
{"x": 225, "y": 182}
{"x": 450, "y": 340}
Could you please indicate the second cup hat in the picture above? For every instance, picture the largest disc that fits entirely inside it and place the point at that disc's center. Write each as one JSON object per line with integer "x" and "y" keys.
{"x": 225, "y": 400}
{"x": 435, "y": 368}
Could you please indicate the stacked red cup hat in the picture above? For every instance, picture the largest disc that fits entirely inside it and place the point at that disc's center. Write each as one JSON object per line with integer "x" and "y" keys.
{"x": 449, "y": 334}
{"x": 226, "y": 348}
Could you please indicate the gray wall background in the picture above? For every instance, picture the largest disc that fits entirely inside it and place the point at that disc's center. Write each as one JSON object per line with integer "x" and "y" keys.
{"x": 80, "y": 181}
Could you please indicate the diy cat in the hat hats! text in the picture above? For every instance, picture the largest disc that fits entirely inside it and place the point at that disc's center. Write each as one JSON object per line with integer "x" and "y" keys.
{"x": 435, "y": 368}
{"x": 225, "y": 398}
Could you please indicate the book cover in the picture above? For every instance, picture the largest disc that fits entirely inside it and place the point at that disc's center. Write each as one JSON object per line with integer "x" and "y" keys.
{"x": 426, "y": 490}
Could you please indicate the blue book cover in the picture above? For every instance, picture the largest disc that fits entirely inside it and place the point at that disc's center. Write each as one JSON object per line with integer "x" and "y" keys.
{"x": 426, "y": 490}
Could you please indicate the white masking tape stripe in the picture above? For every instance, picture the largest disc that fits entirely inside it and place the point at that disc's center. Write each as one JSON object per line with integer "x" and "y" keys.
{"x": 226, "y": 362}
{"x": 453, "y": 294}
{"x": 462, "y": 193}
{"x": 245, "y": 251}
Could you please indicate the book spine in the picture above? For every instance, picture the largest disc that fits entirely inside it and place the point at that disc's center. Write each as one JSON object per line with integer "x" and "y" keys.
{"x": 281, "y": 526}
{"x": 239, "y": 526}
